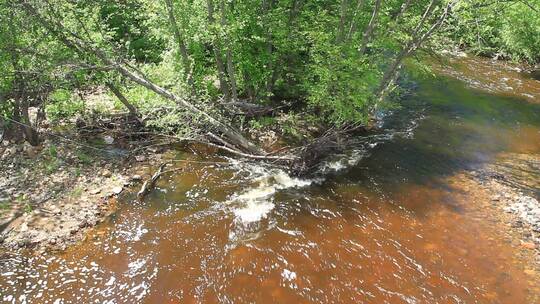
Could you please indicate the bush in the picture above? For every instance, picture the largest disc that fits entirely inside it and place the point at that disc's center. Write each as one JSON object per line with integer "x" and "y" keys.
{"x": 62, "y": 104}
{"x": 512, "y": 31}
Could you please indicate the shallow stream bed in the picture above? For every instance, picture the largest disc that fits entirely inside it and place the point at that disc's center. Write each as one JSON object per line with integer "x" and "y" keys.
{"x": 394, "y": 221}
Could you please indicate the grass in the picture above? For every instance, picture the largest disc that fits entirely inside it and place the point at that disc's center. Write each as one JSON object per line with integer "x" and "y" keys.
{"x": 78, "y": 191}
{"x": 4, "y": 205}
{"x": 51, "y": 166}
{"x": 52, "y": 151}
{"x": 20, "y": 200}
{"x": 28, "y": 208}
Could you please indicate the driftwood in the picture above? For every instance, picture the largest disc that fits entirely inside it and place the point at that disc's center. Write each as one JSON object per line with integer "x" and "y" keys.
{"x": 312, "y": 154}
{"x": 151, "y": 183}
{"x": 333, "y": 141}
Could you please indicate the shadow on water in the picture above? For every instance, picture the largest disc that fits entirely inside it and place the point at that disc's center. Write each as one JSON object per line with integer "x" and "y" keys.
{"x": 462, "y": 129}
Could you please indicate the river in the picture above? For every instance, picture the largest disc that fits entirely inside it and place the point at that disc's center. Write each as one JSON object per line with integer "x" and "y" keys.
{"x": 392, "y": 221}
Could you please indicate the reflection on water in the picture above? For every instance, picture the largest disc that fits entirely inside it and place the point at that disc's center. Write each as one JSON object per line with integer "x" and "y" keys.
{"x": 390, "y": 222}
{"x": 494, "y": 76}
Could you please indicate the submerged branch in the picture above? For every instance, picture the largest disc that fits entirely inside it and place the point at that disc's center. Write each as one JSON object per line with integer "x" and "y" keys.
{"x": 151, "y": 183}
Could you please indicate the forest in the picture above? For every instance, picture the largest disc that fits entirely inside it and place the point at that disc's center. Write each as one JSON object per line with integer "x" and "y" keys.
{"x": 207, "y": 71}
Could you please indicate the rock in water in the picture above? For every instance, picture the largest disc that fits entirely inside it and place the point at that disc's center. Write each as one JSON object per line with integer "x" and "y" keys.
{"x": 109, "y": 140}
{"x": 117, "y": 190}
{"x": 106, "y": 173}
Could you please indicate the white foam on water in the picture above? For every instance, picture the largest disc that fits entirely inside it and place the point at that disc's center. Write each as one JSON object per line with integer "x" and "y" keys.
{"x": 288, "y": 275}
{"x": 344, "y": 162}
{"x": 256, "y": 203}
{"x": 254, "y": 211}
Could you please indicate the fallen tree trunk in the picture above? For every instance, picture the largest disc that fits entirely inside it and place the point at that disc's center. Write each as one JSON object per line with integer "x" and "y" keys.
{"x": 73, "y": 41}
{"x": 132, "y": 110}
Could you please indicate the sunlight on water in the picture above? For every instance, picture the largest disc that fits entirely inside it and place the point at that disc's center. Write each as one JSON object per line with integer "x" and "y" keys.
{"x": 383, "y": 223}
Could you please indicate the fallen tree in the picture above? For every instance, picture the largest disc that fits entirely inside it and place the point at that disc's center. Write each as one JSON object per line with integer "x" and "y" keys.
{"x": 75, "y": 42}
{"x": 340, "y": 79}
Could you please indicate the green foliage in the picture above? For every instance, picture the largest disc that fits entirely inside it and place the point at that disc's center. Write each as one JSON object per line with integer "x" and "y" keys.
{"x": 311, "y": 55}
{"x": 52, "y": 151}
{"x": 51, "y": 165}
{"x": 76, "y": 192}
{"x": 78, "y": 172}
{"x": 507, "y": 28}
{"x": 28, "y": 208}
{"x": 6, "y": 109}
{"x": 84, "y": 158}
{"x": 127, "y": 25}
{"x": 262, "y": 122}
{"x": 62, "y": 104}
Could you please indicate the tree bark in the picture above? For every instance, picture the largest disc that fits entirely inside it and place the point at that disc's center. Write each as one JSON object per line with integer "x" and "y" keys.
{"x": 366, "y": 37}
{"x": 249, "y": 86}
{"x": 402, "y": 10}
{"x": 188, "y": 69}
{"x": 228, "y": 54}
{"x": 30, "y": 134}
{"x": 276, "y": 72}
{"x": 266, "y": 7}
{"x": 342, "y": 17}
{"x": 21, "y": 102}
{"x": 217, "y": 54}
{"x": 416, "y": 40}
{"x": 132, "y": 110}
{"x": 352, "y": 25}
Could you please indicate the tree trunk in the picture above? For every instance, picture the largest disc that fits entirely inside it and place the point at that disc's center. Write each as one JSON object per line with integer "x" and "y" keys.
{"x": 276, "y": 72}
{"x": 132, "y": 110}
{"x": 402, "y": 10}
{"x": 416, "y": 40}
{"x": 233, "y": 135}
{"x": 249, "y": 86}
{"x": 228, "y": 54}
{"x": 342, "y": 17}
{"x": 352, "y": 25}
{"x": 366, "y": 37}
{"x": 266, "y": 6}
{"x": 21, "y": 102}
{"x": 217, "y": 54}
{"x": 30, "y": 134}
{"x": 182, "y": 47}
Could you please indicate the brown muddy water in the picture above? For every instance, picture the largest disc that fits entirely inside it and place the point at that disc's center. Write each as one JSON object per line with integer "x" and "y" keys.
{"x": 389, "y": 222}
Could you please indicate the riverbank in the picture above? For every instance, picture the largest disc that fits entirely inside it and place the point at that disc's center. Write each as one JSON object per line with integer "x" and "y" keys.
{"x": 53, "y": 194}
{"x": 512, "y": 200}
{"x": 492, "y": 75}
{"x": 509, "y": 211}
{"x": 52, "y": 200}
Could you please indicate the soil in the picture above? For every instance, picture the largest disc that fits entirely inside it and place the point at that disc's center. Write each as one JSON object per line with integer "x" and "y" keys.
{"x": 53, "y": 194}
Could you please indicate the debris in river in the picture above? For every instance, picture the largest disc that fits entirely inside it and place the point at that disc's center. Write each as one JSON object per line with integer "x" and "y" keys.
{"x": 149, "y": 184}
